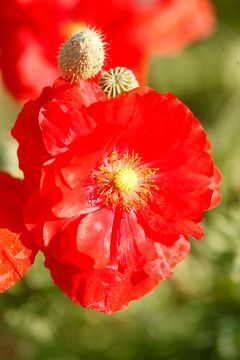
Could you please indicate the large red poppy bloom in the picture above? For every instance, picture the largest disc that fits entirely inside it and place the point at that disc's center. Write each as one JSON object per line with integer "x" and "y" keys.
{"x": 125, "y": 184}
{"x": 32, "y": 31}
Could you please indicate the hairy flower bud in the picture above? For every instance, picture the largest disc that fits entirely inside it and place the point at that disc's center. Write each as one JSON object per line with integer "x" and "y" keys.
{"x": 117, "y": 81}
{"x": 82, "y": 56}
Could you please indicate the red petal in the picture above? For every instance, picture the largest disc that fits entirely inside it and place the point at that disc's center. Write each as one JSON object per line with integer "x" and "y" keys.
{"x": 61, "y": 124}
{"x": 86, "y": 92}
{"x": 17, "y": 250}
{"x": 130, "y": 246}
{"x": 32, "y": 151}
{"x": 109, "y": 290}
{"x": 61, "y": 195}
{"x": 216, "y": 197}
{"x": 92, "y": 237}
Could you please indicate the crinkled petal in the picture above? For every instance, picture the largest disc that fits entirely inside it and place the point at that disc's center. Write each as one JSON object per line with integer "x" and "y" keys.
{"x": 62, "y": 123}
{"x": 92, "y": 237}
{"x": 40, "y": 137}
{"x": 17, "y": 250}
{"x": 109, "y": 290}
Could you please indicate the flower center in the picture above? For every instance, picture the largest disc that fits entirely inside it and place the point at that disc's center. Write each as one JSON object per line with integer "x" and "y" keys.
{"x": 122, "y": 181}
{"x": 125, "y": 179}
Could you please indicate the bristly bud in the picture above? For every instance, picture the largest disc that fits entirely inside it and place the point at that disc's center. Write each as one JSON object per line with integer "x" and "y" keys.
{"x": 82, "y": 56}
{"x": 117, "y": 81}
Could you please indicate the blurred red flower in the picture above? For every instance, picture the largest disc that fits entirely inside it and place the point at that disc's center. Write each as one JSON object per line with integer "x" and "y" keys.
{"x": 31, "y": 32}
{"x": 17, "y": 249}
{"x": 125, "y": 184}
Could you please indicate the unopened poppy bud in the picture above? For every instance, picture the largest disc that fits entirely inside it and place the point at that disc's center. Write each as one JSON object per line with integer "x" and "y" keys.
{"x": 117, "y": 81}
{"x": 82, "y": 56}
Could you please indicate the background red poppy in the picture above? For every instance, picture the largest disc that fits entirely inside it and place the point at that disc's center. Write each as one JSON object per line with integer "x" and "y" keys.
{"x": 32, "y": 31}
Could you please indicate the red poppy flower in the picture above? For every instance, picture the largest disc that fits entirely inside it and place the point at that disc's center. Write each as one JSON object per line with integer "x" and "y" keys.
{"x": 31, "y": 34}
{"x": 17, "y": 250}
{"x": 127, "y": 183}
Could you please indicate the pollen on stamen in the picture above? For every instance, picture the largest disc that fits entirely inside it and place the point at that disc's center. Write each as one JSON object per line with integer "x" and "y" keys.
{"x": 122, "y": 181}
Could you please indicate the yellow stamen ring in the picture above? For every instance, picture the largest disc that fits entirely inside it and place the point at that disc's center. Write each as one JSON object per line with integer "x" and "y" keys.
{"x": 122, "y": 181}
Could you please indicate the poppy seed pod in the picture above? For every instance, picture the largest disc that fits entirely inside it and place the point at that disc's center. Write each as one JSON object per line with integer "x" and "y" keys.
{"x": 82, "y": 56}
{"x": 117, "y": 81}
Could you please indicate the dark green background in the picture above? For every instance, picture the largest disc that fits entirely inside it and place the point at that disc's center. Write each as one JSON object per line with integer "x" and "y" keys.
{"x": 194, "y": 315}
